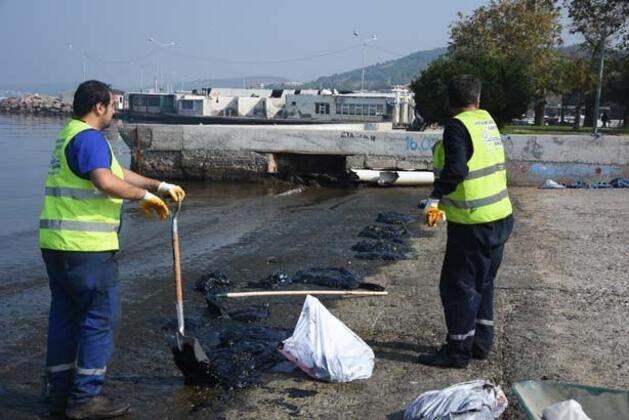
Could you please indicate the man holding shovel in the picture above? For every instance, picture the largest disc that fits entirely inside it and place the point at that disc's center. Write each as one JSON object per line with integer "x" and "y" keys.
{"x": 78, "y": 236}
{"x": 471, "y": 191}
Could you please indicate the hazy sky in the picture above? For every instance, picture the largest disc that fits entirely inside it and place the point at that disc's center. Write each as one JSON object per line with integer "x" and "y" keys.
{"x": 47, "y": 41}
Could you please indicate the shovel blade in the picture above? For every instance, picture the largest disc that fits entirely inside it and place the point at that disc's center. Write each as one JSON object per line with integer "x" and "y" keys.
{"x": 192, "y": 360}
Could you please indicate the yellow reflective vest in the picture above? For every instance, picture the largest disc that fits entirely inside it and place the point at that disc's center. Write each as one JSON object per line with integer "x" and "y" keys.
{"x": 482, "y": 197}
{"x": 76, "y": 216}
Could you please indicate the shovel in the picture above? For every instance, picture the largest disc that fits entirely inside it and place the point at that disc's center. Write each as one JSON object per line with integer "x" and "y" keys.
{"x": 189, "y": 356}
{"x": 216, "y": 310}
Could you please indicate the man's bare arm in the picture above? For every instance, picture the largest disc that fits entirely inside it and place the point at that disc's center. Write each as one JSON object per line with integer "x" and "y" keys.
{"x": 113, "y": 186}
{"x": 140, "y": 181}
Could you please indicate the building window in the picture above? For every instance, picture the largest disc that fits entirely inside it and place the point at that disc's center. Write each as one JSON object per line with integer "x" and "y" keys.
{"x": 379, "y": 109}
{"x": 293, "y": 103}
{"x": 322, "y": 108}
{"x": 153, "y": 101}
{"x": 359, "y": 109}
{"x": 372, "y": 109}
{"x": 139, "y": 100}
{"x": 187, "y": 105}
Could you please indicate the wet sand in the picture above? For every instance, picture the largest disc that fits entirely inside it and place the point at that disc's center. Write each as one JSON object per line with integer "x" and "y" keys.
{"x": 562, "y": 301}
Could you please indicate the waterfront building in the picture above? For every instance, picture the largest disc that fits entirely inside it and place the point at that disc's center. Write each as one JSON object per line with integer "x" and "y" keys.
{"x": 153, "y": 103}
{"x": 395, "y": 106}
{"x": 312, "y": 105}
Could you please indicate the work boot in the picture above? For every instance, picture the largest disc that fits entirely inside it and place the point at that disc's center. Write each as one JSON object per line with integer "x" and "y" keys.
{"x": 55, "y": 400}
{"x": 441, "y": 358}
{"x": 56, "y": 406}
{"x": 479, "y": 354}
{"x": 99, "y": 407}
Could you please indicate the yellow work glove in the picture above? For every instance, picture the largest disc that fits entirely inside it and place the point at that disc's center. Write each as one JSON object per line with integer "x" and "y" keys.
{"x": 432, "y": 214}
{"x": 174, "y": 191}
{"x": 151, "y": 202}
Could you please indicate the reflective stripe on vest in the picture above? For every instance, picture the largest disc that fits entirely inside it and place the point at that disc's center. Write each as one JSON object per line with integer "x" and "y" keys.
{"x": 76, "y": 216}
{"x": 482, "y": 196}
{"x": 78, "y": 226}
{"x": 471, "y": 204}
{"x": 479, "y": 172}
{"x": 76, "y": 193}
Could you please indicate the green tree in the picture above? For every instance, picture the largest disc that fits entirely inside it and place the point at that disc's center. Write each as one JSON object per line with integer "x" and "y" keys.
{"x": 577, "y": 80}
{"x": 601, "y": 23}
{"x": 505, "y": 93}
{"x": 523, "y": 29}
{"x": 617, "y": 84}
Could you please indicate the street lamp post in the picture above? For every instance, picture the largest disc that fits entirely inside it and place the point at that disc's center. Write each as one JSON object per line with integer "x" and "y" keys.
{"x": 365, "y": 41}
{"x": 141, "y": 77}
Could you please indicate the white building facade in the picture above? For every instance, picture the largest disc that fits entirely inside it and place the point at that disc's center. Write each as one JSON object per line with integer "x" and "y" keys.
{"x": 252, "y": 103}
{"x": 396, "y": 106}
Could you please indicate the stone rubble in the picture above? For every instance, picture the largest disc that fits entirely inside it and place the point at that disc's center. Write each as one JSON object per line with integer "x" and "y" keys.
{"x": 35, "y": 104}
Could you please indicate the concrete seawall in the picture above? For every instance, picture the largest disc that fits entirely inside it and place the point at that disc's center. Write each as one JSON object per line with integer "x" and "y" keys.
{"x": 246, "y": 152}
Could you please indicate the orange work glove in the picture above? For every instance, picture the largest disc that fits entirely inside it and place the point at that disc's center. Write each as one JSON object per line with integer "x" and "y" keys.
{"x": 152, "y": 203}
{"x": 432, "y": 214}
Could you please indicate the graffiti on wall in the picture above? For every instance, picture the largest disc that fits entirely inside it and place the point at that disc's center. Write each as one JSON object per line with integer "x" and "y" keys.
{"x": 419, "y": 145}
{"x": 353, "y": 135}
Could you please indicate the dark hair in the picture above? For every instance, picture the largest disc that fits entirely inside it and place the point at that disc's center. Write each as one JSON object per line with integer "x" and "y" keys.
{"x": 463, "y": 90}
{"x": 88, "y": 94}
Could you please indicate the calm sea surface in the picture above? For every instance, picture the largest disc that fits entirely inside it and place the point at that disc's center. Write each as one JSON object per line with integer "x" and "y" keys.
{"x": 232, "y": 209}
{"x": 25, "y": 146}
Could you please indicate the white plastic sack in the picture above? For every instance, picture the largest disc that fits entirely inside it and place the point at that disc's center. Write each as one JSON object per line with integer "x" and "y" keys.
{"x": 550, "y": 184}
{"x": 565, "y": 410}
{"x": 474, "y": 400}
{"x": 324, "y": 348}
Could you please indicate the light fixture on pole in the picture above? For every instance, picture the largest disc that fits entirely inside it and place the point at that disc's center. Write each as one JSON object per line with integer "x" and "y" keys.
{"x": 365, "y": 41}
{"x": 141, "y": 77}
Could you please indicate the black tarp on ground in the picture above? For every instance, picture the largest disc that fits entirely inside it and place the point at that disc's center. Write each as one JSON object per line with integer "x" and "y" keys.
{"x": 243, "y": 353}
{"x": 211, "y": 281}
{"x": 393, "y": 233}
{"x": 339, "y": 278}
{"x": 274, "y": 281}
{"x": 394, "y": 218}
{"x": 382, "y": 250}
{"x": 238, "y": 354}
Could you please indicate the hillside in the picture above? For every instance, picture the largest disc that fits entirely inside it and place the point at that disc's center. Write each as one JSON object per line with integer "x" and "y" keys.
{"x": 377, "y": 76}
{"x": 381, "y": 75}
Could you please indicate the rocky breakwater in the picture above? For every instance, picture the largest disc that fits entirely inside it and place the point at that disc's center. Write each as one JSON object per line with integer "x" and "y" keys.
{"x": 35, "y": 104}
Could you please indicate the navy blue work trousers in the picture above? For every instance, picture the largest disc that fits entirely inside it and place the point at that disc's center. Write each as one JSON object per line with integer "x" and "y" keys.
{"x": 84, "y": 314}
{"x": 473, "y": 256}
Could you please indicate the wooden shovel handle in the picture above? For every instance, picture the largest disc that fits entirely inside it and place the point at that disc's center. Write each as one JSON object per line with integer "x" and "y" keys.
{"x": 302, "y": 293}
{"x": 177, "y": 268}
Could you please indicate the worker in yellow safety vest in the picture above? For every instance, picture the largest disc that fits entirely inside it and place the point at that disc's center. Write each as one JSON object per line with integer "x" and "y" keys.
{"x": 470, "y": 192}
{"x": 78, "y": 236}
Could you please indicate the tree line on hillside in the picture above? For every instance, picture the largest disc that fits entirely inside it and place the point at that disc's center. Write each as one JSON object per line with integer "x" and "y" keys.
{"x": 380, "y": 76}
{"x": 513, "y": 47}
